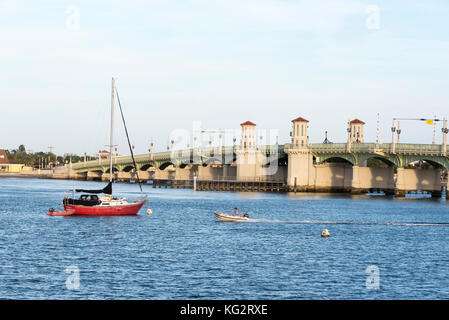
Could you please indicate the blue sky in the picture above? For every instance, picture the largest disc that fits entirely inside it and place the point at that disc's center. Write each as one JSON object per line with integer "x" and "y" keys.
{"x": 219, "y": 62}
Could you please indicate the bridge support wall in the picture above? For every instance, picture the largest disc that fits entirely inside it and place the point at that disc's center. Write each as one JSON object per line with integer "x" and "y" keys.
{"x": 333, "y": 177}
{"x": 249, "y": 164}
{"x": 303, "y": 175}
{"x": 418, "y": 179}
{"x": 210, "y": 173}
{"x": 93, "y": 175}
{"x": 366, "y": 178}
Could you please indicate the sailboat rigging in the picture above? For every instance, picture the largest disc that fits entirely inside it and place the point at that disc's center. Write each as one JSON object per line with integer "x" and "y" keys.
{"x": 90, "y": 203}
{"x": 129, "y": 143}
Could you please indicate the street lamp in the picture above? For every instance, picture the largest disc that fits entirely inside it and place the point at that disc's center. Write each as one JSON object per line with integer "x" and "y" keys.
{"x": 326, "y": 140}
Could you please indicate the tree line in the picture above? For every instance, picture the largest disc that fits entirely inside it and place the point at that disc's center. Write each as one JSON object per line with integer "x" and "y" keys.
{"x": 42, "y": 159}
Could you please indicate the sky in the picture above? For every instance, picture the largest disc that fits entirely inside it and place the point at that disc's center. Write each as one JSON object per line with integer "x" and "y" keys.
{"x": 220, "y": 62}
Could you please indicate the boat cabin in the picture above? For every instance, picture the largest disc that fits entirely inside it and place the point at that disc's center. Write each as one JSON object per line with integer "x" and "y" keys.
{"x": 84, "y": 200}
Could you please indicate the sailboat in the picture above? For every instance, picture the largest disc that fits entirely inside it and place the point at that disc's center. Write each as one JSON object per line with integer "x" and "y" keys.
{"x": 89, "y": 203}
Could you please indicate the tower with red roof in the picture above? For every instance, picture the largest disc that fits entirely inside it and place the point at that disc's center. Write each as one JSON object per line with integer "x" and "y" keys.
{"x": 299, "y": 133}
{"x": 300, "y": 172}
{"x": 355, "y": 131}
{"x": 248, "y": 156}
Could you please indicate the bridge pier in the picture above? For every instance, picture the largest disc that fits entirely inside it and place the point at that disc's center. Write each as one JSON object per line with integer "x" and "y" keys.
{"x": 355, "y": 181}
{"x": 428, "y": 180}
{"x": 301, "y": 174}
{"x": 93, "y": 176}
{"x": 365, "y": 179}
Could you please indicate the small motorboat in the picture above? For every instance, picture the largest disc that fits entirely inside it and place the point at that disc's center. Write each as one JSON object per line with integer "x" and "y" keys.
{"x": 52, "y": 212}
{"x": 231, "y": 218}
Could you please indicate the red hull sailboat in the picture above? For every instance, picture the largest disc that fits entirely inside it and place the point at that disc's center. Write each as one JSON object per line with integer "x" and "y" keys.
{"x": 89, "y": 204}
{"x": 130, "y": 209}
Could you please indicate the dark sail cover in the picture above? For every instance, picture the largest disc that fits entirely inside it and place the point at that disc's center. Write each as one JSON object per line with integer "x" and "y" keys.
{"x": 106, "y": 190}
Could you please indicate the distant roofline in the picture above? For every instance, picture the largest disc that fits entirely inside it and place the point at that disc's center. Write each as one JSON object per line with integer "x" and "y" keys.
{"x": 248, "y": 123}
{"x": 356, "y": 121}
{"x": 300, "y": 119}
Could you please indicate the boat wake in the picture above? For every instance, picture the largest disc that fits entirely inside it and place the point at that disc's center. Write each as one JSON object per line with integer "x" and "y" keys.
{"x": 407, "y": 224}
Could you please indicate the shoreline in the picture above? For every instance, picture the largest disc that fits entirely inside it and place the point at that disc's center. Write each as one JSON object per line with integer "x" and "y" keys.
{"x": 17, "y": 175}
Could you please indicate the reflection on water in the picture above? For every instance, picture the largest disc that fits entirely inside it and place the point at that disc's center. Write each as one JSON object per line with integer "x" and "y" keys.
{"x": 182, "y": 251}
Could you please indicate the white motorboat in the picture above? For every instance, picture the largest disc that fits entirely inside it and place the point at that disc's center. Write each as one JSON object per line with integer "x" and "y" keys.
{"x": 231, "y": 218}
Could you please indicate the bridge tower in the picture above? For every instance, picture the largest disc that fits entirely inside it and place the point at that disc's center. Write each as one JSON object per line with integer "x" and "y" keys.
{"x": 355, "y": 130}
{"x": 300, "y": 137}
{"x": 248, "y": 156}
{"x": 300, "y": 160}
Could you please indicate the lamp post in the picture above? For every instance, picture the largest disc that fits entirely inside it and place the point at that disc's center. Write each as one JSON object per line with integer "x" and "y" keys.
{"x": 445, "y": 131}
{"x": 349, "y": 137}
{"x": 399, "y": 131}
{"x": 326, "y": 140}
{"x": 393, "y": 130}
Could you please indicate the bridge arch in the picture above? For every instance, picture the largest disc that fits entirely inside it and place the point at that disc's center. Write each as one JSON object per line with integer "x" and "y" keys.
{"x": 209, "y": 161}
{"x": 390, "y": 160}
{"x": 182, "y": 165}
{"x": 437, "y": 162}
{"x": 146, "y": 166}
{"x": 166, "y": 164}
{"x": 114, "y": 169}
{"x": 342, "y": 158}
{"x": 128, "y": 168}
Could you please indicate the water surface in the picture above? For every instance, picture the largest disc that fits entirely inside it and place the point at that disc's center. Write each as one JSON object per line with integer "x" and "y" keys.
{"x": 181, "y": 251}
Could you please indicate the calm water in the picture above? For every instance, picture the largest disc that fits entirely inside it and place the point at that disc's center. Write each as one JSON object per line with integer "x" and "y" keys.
{"x": 182, "y": 252}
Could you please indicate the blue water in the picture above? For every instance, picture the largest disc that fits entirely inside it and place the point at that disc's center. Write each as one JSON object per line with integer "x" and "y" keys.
{"x": 181, "y": 251}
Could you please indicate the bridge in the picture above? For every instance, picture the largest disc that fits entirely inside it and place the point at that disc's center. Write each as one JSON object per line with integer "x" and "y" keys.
{"x": 298, "y": 166}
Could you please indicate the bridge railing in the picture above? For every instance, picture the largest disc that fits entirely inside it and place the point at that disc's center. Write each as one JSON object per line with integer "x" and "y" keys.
{"x": 374, "y": 147}
{"x": 418, "y": 148}
{"x": 328, "y": 147}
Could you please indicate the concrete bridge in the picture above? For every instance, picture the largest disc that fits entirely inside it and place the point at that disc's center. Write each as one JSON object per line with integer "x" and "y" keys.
{"x": 297, "y": 166}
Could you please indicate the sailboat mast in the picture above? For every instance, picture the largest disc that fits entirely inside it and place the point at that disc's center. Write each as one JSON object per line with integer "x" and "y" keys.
{"x": 111, "y": 144}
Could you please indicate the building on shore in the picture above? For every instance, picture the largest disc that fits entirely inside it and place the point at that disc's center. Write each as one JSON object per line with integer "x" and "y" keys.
{"x": 7, "y": 167}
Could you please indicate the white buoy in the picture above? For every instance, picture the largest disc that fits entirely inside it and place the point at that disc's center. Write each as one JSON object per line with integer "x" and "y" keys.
{"x": 325, "y": 233}
{"x": 149, "y": 211}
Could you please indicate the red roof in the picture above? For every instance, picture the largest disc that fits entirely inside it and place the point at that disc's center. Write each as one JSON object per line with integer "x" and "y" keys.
{"x": 3, "y": 157}
{"x": 248, "y": 123}
{"x": 300, "y": 120}
{"x": 357, "y": 121}
{"x": 104, "y": 151}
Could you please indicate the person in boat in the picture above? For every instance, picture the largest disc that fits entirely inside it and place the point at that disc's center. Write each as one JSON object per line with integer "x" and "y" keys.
{"x": 236, "y": 212}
